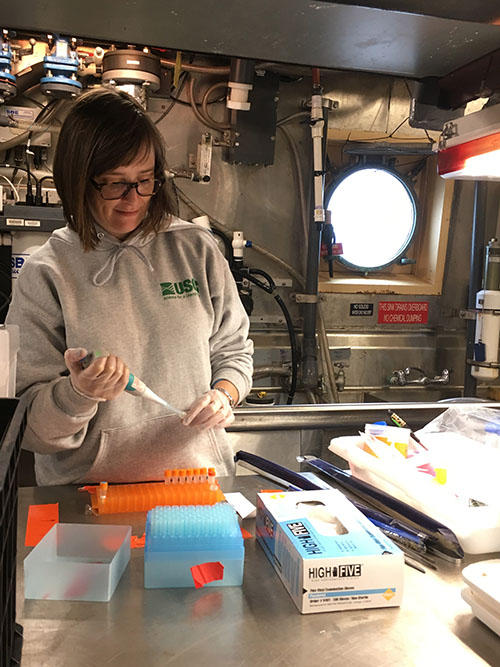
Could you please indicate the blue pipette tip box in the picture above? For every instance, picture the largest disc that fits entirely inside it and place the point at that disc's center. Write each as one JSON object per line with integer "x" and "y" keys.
{"x": 181, "y": 537}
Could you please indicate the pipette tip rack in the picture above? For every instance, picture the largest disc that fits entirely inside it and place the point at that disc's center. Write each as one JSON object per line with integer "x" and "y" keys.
{"x": 180, "y": 538}
{"x": 186, "y": 486}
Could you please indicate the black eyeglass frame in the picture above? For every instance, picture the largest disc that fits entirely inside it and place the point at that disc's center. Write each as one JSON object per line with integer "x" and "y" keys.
{"x": 127, "y": 187}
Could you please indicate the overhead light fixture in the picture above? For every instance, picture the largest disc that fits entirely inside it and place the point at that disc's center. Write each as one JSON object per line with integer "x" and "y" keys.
{"x": 469, "y": 147}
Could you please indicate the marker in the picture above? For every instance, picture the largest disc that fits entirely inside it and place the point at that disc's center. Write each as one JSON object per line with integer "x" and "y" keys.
{"x": 399, "y": 421}
{"x": 135, "y": 386}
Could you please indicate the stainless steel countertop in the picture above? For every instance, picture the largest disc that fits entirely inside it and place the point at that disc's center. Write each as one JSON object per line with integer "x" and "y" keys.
{"x": 252, "y": 625}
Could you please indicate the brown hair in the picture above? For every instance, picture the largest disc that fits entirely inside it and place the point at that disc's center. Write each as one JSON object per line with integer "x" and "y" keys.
{"x": 105, "y": 129}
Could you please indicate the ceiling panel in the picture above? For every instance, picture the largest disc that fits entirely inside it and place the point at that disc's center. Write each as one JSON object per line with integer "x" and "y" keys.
{"x": 477, "y": 11}
{"x": 313, "y": 33}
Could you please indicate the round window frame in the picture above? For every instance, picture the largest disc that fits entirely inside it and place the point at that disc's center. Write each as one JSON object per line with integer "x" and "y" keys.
{"x": 413, "y": 198}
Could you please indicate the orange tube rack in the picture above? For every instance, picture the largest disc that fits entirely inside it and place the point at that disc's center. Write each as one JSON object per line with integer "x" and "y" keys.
{"x": 181, "y": 487}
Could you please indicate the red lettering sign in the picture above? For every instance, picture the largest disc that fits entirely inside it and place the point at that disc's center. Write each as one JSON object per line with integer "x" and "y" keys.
{"x": 403, "y": 312}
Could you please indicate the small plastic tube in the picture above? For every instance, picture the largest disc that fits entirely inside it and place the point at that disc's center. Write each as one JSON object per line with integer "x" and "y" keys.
{"x": 211, "y": 479}
{"x": 103, "y": 490}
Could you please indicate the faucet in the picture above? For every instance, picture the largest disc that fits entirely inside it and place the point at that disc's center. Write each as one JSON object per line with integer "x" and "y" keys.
{"x": 444, "y": 378}
{"x": 400, "y": 377}
{"x": 340, "y": 375}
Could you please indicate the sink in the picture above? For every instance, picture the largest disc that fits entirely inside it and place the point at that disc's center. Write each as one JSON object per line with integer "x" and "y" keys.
{"x": 410, "y": 395}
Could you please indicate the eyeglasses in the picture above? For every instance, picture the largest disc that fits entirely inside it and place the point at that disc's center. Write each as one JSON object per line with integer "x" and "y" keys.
{"x": 145, "y": 188}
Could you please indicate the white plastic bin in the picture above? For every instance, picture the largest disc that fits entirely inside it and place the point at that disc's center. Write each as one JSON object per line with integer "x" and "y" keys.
{"x": 9, "y": 346}
{"x": 482, "y": 592}
{"x": 472, "y": 472}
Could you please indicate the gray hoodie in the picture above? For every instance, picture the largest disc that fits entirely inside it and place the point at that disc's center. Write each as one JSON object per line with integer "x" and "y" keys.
{"x": 168, "y": 306}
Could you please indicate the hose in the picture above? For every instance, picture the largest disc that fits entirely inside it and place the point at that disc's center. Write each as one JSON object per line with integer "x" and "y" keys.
{"x": 269, "y": 289}
{"x": 174, "y": 101}
{"x": 200, "y": 69}
{"x": 208, "y": 92}
{"x": 209, "y": 122}
{"x": 293, "y": 348}
{"x": 290, "y": 270}
{"x": 310, "y": 396}
{"x": 6, "y": 165}
{"x": 250, "y": 275}
{"x": 227, "y": 244}
{"x": 299, "y": 178}
{"x": 293, "y": 116}
{"x": 224, "y": 228}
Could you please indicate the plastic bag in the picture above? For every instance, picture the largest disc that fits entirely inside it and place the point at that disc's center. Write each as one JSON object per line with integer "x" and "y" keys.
{"x": 476, "y": 423}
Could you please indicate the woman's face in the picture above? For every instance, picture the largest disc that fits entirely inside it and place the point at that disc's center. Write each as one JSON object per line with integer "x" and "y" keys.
{"x": 120, "y": 217}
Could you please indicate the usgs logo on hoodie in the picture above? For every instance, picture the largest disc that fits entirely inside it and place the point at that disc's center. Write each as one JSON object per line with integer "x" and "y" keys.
{"x": 180, "y": 289}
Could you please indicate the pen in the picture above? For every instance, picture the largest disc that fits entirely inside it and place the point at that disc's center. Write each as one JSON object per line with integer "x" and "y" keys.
{"x": 399, "y": 421}
{"x": 414, "y": 541}
{"x": 439, "y": 538}
{"x": 394, "y": 529}
{"x": 405, "y": 544}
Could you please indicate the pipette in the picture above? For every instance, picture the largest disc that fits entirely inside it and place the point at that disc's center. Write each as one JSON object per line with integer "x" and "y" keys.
{"x": 135, "y": 386}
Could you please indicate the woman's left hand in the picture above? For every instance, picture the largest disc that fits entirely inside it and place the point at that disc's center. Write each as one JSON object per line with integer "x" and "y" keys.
{"x": 211, "y": 410}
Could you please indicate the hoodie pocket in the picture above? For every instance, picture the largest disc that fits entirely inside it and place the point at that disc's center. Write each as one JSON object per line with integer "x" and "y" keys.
{"x": 142, "y": 451}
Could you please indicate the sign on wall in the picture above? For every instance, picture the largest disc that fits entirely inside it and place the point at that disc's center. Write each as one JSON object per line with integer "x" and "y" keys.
{"x": 403, "y": 312}
{"x": 361, "y": 309}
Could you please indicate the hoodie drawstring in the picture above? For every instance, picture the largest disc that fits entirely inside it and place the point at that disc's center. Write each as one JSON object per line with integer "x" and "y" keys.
{"x": 106, "y": 271}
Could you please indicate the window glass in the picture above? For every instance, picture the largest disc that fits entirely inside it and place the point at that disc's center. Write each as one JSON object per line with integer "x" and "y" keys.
{"x": 373, "y": 215}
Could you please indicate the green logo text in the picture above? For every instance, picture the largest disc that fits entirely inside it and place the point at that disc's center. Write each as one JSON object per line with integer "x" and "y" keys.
{"x": 180, "y": 289}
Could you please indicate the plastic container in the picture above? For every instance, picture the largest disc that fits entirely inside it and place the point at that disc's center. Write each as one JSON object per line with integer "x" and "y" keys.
{"x": 77, "y": 562}
{"x": 12, "y": 424}
{"x": 483, "y": 591}
{"x": 9, "y": 346}
{"x": 179, "y": 538}
{"x": 143, "y": 497}
{"x": 472, "y": 472}
{"x": 481, "y": 611}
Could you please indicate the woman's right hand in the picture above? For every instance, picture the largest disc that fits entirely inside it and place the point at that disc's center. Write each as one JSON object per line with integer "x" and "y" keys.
{"x": 103, "y": 380}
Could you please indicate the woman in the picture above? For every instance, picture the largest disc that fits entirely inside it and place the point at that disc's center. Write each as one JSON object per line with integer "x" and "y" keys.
{"x": 125, "y": 276}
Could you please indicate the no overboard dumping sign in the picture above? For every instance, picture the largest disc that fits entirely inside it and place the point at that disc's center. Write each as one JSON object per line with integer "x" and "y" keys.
{"x": 403, "y": 312}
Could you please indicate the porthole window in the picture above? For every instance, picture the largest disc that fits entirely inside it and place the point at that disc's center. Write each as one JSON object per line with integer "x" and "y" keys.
{"x": 374, "y": 214}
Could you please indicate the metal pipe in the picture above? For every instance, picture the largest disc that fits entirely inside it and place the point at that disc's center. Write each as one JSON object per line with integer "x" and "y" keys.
{"x": 265, "y": 371}
{"x": 476, "y": 271}
{"x": 343, "y": 418}
{"x": 325, "y": 370}
{"x": 330, "y": 371}
{"x": 319, "y": 124}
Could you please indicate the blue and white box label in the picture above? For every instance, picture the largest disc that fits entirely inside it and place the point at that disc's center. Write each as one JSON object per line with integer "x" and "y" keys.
{"x": 327, "y": 553}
